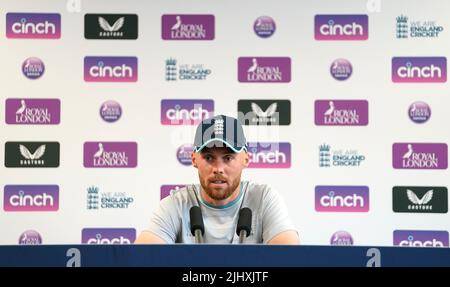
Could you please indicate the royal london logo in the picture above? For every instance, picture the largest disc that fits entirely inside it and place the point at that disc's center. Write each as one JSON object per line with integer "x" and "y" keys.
{"x": 107, "y": 200}
{"x": 187, "y": 27}
{"x": 412, "y": 28}
{"x": 341, "y": 112}
{"x": 339, "y": 157}
{"x": 110, "y": 154}
{"x": 32, "y": 111}
{"x": 419, "y": 155}
{"x": 264, "y": 69}
{"x": 185, "y": 72}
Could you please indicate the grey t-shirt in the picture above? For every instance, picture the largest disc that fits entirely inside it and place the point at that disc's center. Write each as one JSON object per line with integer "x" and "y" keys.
{"x": 269, "y": 215}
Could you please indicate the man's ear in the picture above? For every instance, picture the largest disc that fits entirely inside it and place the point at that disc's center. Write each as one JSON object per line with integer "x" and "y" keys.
{"x": 193, "y": 159}
{"x": 246, "y": 159}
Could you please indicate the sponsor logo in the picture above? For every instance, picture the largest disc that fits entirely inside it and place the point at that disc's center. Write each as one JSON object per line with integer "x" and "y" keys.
{"x": 33, "y": 26}
{"x": 168, "y": 189}
{"x": 31, "y": 154}
{"x": 341, "y": 238}
{"x": 31, "y": 198}
{"x": 420, "y": 199}
{"x": 264, "y": 26}
{"x": 187, "y": 27}
{"x": 419, "y": 112}
{"x": 110, "y": 69}
{"x": 110, "y": 154}
{"x": 108, "y": 235}
{"x": 339, "y": 157}
{"x": 341, "y": 27}
{"x": 269, "y": 154}
{"x": 264, "y": 112}
{"x": 341, "y": 112}
{"x": 107, "y": 200}
{"x": 110, "y": 111}
{"x": 419, "y": 69}
{"x": 264, "y": 69}
{"x": 419, "y": 155}
{"x": 33, "y": 111}
{"x": 420, "y": 238}
{"x": 33, "y": 68}
{"x": 342, "y": 198}
{"x": 184, "y": 153}
{"x": 185, "y": 72}
{"x": 186, "y": 112}
{"x": 407, "y": 28}
{"x": 30, "y": 237}
{"x": 111, "y": 26}
{"x": 341, "y": 69}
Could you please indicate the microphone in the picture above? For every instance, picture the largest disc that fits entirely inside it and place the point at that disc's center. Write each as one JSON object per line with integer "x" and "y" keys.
{"x": 197, "y": 227}
{"x": 244, "y": 225}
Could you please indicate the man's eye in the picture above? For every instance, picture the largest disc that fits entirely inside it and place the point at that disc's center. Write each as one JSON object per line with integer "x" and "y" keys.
{"x": 228, "y": 158}
{"x": 208, "y": 158}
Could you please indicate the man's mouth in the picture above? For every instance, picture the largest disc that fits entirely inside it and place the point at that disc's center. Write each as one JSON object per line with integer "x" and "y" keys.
{"x": 218, "y": 181}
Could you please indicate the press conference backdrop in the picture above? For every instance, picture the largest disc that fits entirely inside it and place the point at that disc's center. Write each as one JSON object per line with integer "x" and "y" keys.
{"x": 344, "y": 104}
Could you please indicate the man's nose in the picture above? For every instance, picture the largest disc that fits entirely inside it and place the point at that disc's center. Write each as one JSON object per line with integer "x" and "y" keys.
{"x": 218, "y": 167}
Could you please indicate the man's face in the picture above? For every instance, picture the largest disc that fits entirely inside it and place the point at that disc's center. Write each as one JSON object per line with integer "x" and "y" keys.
{"x": 219, "y": 170}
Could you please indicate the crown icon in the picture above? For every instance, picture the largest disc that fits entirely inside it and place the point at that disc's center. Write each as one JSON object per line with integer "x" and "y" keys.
{"x": 92, "y": 189}
{"x": 171, "y": 61}
{"x": 402, "y": 19}
{"x": 324, "y": 147}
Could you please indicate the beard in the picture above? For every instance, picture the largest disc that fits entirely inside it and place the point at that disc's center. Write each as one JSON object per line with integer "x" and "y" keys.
{"x": 219, "y": 193}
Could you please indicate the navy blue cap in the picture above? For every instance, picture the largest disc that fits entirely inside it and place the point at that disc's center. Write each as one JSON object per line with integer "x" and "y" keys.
{"x": 220, "y": 131}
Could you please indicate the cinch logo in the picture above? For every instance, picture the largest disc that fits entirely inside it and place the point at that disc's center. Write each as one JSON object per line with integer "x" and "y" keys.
{"x": 110, "y": 69}
{"x": 420, "y": 238}
{"x": 419, "y": 155}
{"x": 111, "y": 26}
{"x": 32, "y": 111}
{"x": 31, "y": 198}
{"x": 341, "y": 27}
{"x": 187, "y": 27}
{"x": 168, "y": 189}
{"x": 342, "y": 198}
{"x": 33, "y": 26}
{"x": 186, "y": 112}
{"x": 31, "y": 154}
{"x": 108, "y": 235}
{"x": 110, "y": 154}
{"x": 420, "y": 199}
{"x": 264, "y": 112}
{"x": 419, "y": 69}
{"x": 269, "y": 155}
{"x": 264, "y": 69}
{"x": 341, "y": 112}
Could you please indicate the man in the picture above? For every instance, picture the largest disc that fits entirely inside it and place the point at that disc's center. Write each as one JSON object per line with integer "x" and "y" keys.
{"x": 220, "y": 155}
